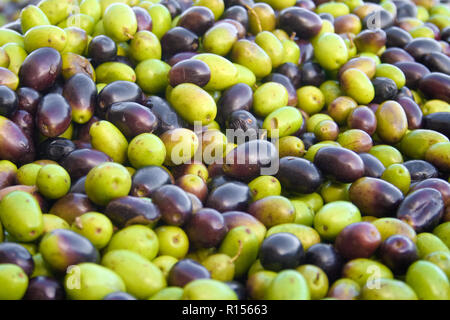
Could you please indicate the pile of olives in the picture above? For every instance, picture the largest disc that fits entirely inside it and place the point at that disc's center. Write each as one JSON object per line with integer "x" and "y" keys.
{"x": 108, "y": 109}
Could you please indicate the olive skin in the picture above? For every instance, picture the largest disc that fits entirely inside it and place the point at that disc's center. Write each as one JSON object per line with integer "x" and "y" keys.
{"x": 326, "y": 258}
{"x": 420, "y": 170}
{"x": 44, "y": 288}
{"x": 291, "y": 71}
{"x": 144, "y": 20}
{"x": 71, "y": 206}
{"x": 197, "y": 19}
{"x": 375, "y": 197}
{"x": 438, "y": 184}
{"x": 78, "y": 163}
{"x": 55, "y": 148}
{"x": 148, "y": 179}
{"x": 312, "y": 74}
{"x": 283, "y": 80}
{"x": 40, "y": 69}
{"x": 17, "y": 254}
{"x": 273, "y": 210}
{"x": 398, "y": 252}
{"x": 237, "y": 97}
{"x": 420, "y": 47}
{"x": 358, "y": 240}
{"x": 127, "y": 211}
{"x": 304, "y": 23}
{"x": 8, "y": 101}
{"x": 281, "y": 251}
{"x": 206, "y": 228}
{"x": 117, "y": 91}
{"x": 119, "y": 296}
{"x": 28, "y": 99}
{"x": 15, "y": 145}
{"x": 168, "y": 119}
{"x": 299, "y": 175}
{"x": 62, "y": 248}
{"x": 81, "y": 94}
{"x": 234, "y": 219}
{"x": 422, "y": 209}
{"x": 394, "y": 55}
{"x": 436, "y": 85}
{"x": 186, "y": 271}
{"x": 372, "y": 166}
{"x": 230, "y": 196}
{"x": 25, "y": 122}
{"x": 177, "y": 40}
{"x": 385, "y": 89}
{"x": 413, "y": 72}
{"x": 132, "y": 118}
{"x": 362, "y": 118}
{"x": 102, "y": 49}
{"x": 190, "y": 71}
{"x": 174, "y": 204}
{"x": 413, "y": 112}
{"x": 250, "y": 159}
{"x": 244, "y": 120}
{"x": 53, "y": 115}
{"x": 439, "y": 121}
{"x": 343, "y": 164}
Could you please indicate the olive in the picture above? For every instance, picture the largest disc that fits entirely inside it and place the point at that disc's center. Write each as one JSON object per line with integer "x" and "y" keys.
{"x": 174, "y": 204}
{"x": 79, "y": 162}
{"x": 132, "y": 118}
{"x": 177, "y": 40}
{"x": 193, "y": 184}
{"x": 383, "y": 18}
{"x": 438, "y": 184}
{"x": 437, "y": 62}
{"x": 385, "y": 89}
{"x": 372, "y": 166}
{"x": 362, "y": 118}
{"x": 420, "y": 47}
{"x": 28, "y": 99}
{"x": 230, "y": 196}
{"x": 168, "y": 119}
{"x": 422, "y": 209}
{"x": 358, "y": 240}
{"x": 119, "y": 296}
{"x": 312, "y": 74}
{"x": 343, "y": 164}
{"x": 24, "y": 121}
{"x": 413, "y": 112}
{"x": 237, "y": 97}
{"x": 44, "y": 288}
{"x": 304, "y": 23}
{"x": 8, "y": 101}
{"x": 186, "y": 271}
{"x": 281, "y": 251}
{"x": 237, "y": 13}
{"x": 439, "y": 121}
{"x": 72, "y": 206}
{"x": 326, "y": 258}
{"x": 397, "y": 37}
{"x": 127, "y": 211}
{"x": 16, "y": 254}
{"x": 436, "y": 85}
{"x": 420, "y": 170}
{"x": 394, "y": 55}
{"x": 405, "y": 9}
{"x": 206, "y": 228}
{"x": 245, "y": 121}
{"x": 40, "y": 69}
{"x": 190, "y": 71}
{"x": 53, "y": 115}
{"x": 299, "y": 175}
{"x": 413, "y": 72}
{"x": 102, "y": 49}
{"x": 282, "y": 79}
{"x": 117, "y": 91}
{"x": 197, "y": 19}
{"x": 398, "y": 252}
{"x": 291, "y": 71}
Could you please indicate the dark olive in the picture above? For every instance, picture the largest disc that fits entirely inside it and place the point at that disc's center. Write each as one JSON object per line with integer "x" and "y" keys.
{"x": 146, "y": 180}
{"x": 144, "y": 20}
{"x": 245, "y": 121}
{"x": 218, "y": 180}
{"x": 119, "y": 296}
{"x": 177, "y": 40}
{"x": 375, "y": 197}
{"x": 312, "y": 74}
{"x": 53, "y": 115}
{"x": 206, "y": 228}
{"x": 413, "y": 72}
{"x": 185, "y": 271}
{"x": 117, "y": 91}
{"x": 281, "y": 251}
{"x": 102, "y": 49}
{"x": 132, "y": 118}
{"x": 372, "y": 166}
{"x": 439, "y": 121}
{"x": 436, "y": 85}
{"x": 382, "y": 18}
{"x": 230, "y": 196}
{"x": 126, "y": 211}
{"x": 420, "y": 47}
{"x": 71, "y": 206}
{"x": 174, "y": 204}
{"x": 173, "y": 6}
{"x": 40, "y": 69}
{"x": 237, "y": 97}
{"x": 309, "y": 139}
{"x": 437, "y": 62}
{"x": 385, "y": 89}
{"x": 180, "y": 57}
{"x": 78, "y": 163}
{"x": 78, "y": 186}
{"x": 190, "y": 71}
{"x": 44, "y": 288}
{"x": 306, "y": 24}
{"x": 238, "y": 288}
{"x": 394, "y": 55}
{"x": 362, "y": 118}
{"x": 291, "y": 71}
{"x": 237, "y": 13}
{"x": 422, "y": 209}
{"x": 299, "y": 175}
{"x": 168, "y": 119}
{"x": 306, "y": 51}
{"x": 25, "y": 122}
{"x": 16, "y": 254}
{"x": 8, "y": 101}
{"x": 55, "y": 148}
{"x": 81, "y": 94}
{"x": 326, "y": 258}
{"x": 197, "y": 19}
{"x": 413, "y": 112}
{"x": 420, "y": 170}
{"x": 28, "y": 99}
{"x": 405, "y": 9}
{"x": 342, "y": 164}
{"x": 438, "y": 184}
{"x": 358, "y": 240}
{"x": 398, "y": 252}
